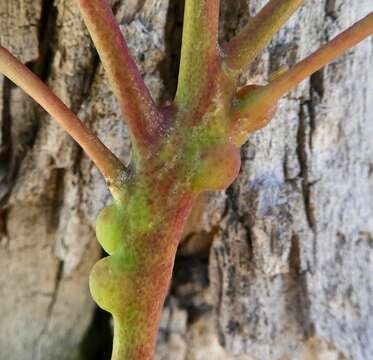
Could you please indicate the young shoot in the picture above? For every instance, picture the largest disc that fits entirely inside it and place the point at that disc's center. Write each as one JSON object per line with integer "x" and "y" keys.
{"x": 208, "y": 121}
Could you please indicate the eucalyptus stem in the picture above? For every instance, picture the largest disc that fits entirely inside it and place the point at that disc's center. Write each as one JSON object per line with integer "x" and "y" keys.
{"x": 253, "y": 109}
{"x": 197, "y": 150}
{"x": 323, "y": 56}
{"x": 144, "y": 119}
{"x": 108, "y": 164}
{"x": 199, "y": 51}
{"x": 252, "y": 39}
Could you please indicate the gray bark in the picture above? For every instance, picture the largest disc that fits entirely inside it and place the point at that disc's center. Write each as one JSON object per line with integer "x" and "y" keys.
{"x": 277, "y": 267}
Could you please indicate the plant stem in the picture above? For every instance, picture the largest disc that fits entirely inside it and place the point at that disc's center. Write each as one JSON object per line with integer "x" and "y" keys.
{"x": 108, "y": 164}
{"x": 141, "y": 113}
{"x": 199, "y": 52}
{"x": 252, "y": 39}
{"x": 326, "y": 54}
{"x": 133, "y": 281}
{"x": 259, "y": 102}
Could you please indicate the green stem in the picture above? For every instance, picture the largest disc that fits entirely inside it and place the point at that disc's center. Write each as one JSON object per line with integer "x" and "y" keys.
{"x": 199, "y": 52}
{"x": 253, "y": 38}
{"x": 143, "y": 232}
{"x": 256, "y": 106}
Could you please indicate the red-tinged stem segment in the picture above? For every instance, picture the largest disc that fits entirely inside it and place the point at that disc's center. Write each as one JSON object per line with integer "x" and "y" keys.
{"x": 326, "y": 54}
{"x": 199, "y": 52}
{"x": 259, "y": 102}
{"x": 252, "y": 39}
{"x": 108, "y": 164}
{"x": 141, "y": 113}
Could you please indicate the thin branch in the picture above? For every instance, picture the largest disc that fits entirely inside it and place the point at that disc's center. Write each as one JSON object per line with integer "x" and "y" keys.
{"x": 142, "y": 115}
{"x": 199, "y": 52}
{"x": 254, "y": 37}
{"x": 251, "y": 108}
{"x": 326, "y": 54}
{"x": 244, "y": 121}
{"x": 108, "y": 164}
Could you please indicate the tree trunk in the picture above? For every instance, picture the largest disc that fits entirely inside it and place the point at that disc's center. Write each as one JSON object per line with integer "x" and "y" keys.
{"x": 277, "y": 267}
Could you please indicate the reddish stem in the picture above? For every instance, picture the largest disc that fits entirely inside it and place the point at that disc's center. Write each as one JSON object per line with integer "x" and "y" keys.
{"x": 142, "y": 115}
{"x": 109, "y": 165}
{"x": 256, "y": 106}
{"x": 326, "y": 54}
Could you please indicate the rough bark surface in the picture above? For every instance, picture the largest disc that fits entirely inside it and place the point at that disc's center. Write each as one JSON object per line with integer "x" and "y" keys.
{"x": 277, "y": 267}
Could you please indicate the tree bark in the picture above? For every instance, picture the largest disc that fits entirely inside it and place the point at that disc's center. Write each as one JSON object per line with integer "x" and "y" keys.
{"x": 277, "y": 267}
